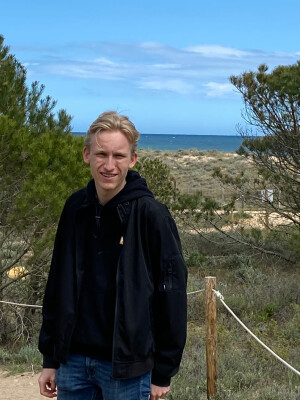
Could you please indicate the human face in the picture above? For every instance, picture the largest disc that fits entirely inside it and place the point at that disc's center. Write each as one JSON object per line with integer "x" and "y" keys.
{"x": 109, "y": 156}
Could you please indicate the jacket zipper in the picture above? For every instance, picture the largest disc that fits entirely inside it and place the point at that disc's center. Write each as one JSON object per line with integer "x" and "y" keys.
{"x": 115, "y": 320}
{"x": 116, "y": 310}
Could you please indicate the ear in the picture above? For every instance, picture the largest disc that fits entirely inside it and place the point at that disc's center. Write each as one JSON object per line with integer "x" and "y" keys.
{"x": 86, "y": 155}
{"x": 133, "y": 160}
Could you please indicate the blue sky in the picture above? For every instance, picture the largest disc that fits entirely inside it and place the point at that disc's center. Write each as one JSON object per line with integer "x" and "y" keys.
{"x": 166, "y": 64}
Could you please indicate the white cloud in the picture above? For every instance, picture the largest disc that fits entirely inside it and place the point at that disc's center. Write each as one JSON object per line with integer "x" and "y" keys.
{"x": 151, "y": 45}
{"x": 105, "y": 61}
{"x": 166, "y": 66}
{"x": 216, "y": 51}
{"x": 172, "y": 85}
{"x": 156, "y": 66}
{"x": 215, "y": 89}
{"x": 28, "y": 64}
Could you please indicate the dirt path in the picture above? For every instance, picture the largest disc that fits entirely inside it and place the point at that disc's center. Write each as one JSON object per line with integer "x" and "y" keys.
{"x": 19, "y": 387}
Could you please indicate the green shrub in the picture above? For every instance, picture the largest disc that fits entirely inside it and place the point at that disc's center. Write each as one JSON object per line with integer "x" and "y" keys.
{"x": 194, "y": 259}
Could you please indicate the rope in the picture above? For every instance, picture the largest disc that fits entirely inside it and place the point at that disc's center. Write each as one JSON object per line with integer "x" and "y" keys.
{"x": 196, "y": 291}
{"x": 20, "y": 304}
{"x": 219, "y": 295}
{"x": 37, "y": 306}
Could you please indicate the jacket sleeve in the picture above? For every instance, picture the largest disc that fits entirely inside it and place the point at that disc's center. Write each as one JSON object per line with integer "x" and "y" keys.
{"x": 170, "y": 300}
{"x": 47, "y": 332}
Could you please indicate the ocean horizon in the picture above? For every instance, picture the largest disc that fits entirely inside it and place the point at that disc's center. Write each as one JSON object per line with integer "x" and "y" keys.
{"x": 184, "y": 142}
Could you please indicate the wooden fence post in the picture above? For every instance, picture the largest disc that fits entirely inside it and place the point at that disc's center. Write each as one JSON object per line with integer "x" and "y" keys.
{"x": 211, "y": 335}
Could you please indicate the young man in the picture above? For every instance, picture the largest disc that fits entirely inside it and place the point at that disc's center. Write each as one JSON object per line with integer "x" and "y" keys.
{"x": 114, "y": 311}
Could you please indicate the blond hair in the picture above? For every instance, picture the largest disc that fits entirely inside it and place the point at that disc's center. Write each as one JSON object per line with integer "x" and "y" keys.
{"x": 112, "y": 121}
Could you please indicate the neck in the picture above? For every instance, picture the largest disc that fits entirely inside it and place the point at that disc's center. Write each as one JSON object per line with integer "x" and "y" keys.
{"x": 105, "y": 196}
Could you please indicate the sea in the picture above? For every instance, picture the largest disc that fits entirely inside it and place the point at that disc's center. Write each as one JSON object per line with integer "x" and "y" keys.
{"x": 184, "y": 142}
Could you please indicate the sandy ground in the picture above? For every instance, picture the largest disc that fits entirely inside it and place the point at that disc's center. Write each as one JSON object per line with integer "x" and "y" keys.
{"x": 19, "y": 387}
{"x": 257, "y": 220}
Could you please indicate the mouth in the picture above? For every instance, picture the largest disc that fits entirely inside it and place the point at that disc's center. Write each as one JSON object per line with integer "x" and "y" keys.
{"x": 108, "y": 176}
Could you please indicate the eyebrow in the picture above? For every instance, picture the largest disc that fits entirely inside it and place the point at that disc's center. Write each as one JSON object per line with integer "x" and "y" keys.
{"x": 115, "y": 153}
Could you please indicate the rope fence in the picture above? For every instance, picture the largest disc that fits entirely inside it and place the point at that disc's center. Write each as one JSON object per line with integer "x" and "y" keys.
{"x": 211, "y": 322}
{"x": 37, "y": 306}
{"x": 20, "y": 304}
{"x": 196, "y": 291}
{"x": 219, "y": 295}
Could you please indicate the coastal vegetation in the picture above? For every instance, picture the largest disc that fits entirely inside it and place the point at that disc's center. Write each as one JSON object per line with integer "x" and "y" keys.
{"x": 228, "y": 230}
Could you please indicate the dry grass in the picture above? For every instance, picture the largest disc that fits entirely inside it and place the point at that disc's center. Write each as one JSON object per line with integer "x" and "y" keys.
{"x": 261, "y": 290}
{"x": 193, "y": 169}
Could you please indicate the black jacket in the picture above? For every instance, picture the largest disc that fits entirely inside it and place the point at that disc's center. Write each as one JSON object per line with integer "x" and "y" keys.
{"x": 150, "y": 313}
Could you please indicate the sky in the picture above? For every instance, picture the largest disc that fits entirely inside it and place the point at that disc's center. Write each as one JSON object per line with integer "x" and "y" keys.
{"x": 165, "y": 64}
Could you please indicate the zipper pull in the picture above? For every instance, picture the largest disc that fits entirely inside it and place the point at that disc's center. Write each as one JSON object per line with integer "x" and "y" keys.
{"x": 98, "y": 223}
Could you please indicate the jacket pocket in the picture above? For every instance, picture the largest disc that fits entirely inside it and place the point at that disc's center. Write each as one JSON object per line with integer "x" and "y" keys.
{"x": 173, "y": 275}
{"x": 168, "y": 278}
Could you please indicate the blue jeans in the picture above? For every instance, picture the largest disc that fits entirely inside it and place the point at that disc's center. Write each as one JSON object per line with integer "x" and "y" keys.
{"x": 84, "y": 378}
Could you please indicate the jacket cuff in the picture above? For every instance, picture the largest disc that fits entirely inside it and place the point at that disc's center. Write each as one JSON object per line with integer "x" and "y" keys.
{"x": 162, "y": 381}
{"x": 48, "y": 362}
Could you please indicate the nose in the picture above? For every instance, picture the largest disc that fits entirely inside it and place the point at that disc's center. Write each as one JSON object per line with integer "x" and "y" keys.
{"x": 109, "y": 164}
